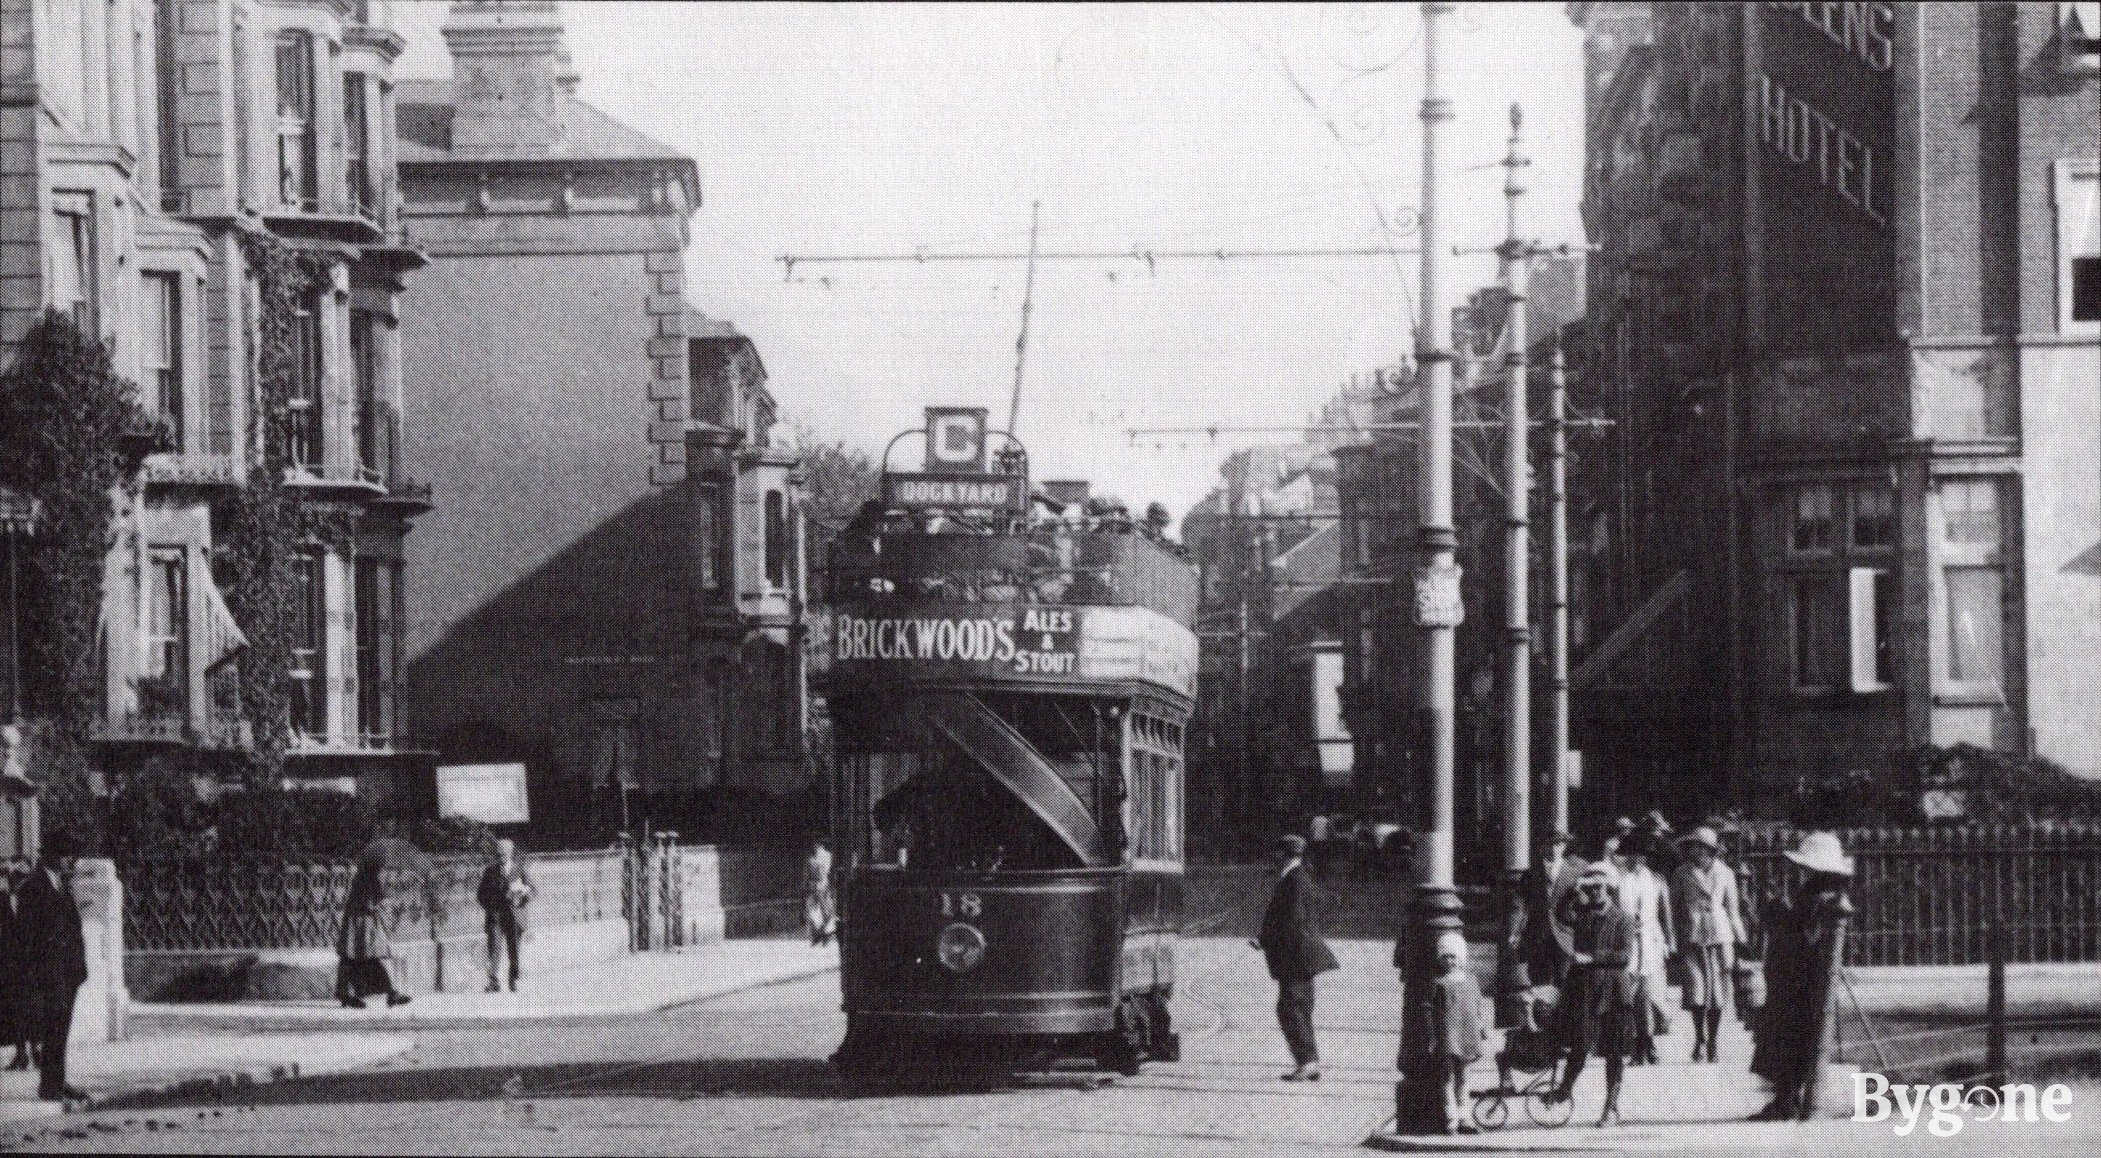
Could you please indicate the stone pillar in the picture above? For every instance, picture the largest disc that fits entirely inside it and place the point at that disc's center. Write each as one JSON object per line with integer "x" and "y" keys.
{"x": 104, "y": 1002}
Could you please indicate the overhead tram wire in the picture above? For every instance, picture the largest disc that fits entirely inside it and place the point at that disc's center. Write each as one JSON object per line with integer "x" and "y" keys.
{"x": 1149, "y": 256}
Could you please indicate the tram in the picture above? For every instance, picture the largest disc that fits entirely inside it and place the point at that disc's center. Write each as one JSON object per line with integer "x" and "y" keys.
{"x": 1009, "y": 684}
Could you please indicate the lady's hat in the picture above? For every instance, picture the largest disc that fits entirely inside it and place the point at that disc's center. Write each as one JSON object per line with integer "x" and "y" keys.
{"x": 1820, "y": 852}
{"x": 1595, "y": 873}
{"x": 1702, "y": 835}
{"x": 1451, "y": 943}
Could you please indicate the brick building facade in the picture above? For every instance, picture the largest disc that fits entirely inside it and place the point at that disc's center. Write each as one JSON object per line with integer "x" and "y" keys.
{"x": 612, "y": 595}
{"x": 145, "y": 144}
{"x": 1844, "y": 312}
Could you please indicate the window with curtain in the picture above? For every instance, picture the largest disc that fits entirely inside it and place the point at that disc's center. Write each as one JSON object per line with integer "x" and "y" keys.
{"x": 1975, "y": 647}
{"x": 366, "y": 414}
{"x": 357, "y": 147}
{"x": 305, "y": 399}
{"x": 72, "y": 259}
{"x": 1971, "y": 508}
{"x": 298, "y": 169}
{"x": 168, "y": 131}
{"x": 309, "y": 646}
{"x": 167, "y": 658}
{"x": 162, "y": 334}
{"x": 375, "y": 583}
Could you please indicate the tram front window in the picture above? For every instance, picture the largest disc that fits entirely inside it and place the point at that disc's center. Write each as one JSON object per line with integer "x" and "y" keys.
{"x": 952, "y": 818}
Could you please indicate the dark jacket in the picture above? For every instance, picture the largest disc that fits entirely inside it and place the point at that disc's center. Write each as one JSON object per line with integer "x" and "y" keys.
{"x": 494, "y": 892}
{"x": 54, "y": 954}
{"x": 1805, "y": 937}
{"x": 1290, "y": 939}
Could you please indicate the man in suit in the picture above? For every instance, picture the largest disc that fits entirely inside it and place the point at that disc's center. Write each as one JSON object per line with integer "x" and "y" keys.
{"x": 1292, "y": 945}
{"x": 504, "y": 892}
{"x": 55, "y": 959}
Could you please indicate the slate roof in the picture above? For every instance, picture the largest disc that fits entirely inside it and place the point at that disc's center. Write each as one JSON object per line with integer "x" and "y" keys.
{"x": 423, "y": 118}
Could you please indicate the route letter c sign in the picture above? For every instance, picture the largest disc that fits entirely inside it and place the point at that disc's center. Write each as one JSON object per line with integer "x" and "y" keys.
{"x": 955, "y": 440}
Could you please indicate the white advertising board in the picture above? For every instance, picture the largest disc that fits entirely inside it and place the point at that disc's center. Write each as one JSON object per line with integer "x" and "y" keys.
{"x": 490, "y": 793}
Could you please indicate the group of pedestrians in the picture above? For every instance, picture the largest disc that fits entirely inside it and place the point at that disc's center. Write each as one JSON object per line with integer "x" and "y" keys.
{"x": 43, "y": 964}
{"x": 1597, "y": 947}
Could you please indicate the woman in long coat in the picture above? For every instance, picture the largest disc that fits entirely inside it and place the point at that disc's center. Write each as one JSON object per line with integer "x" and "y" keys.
{"x": 1708, "y": 911}
{"x": 1805, "y": 935}
{"x": 1601, "y": 1012}
{"x": 362, "y": 945}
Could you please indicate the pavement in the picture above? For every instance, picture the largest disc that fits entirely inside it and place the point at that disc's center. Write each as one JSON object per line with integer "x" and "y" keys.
{"x": 196, "y": 1063}
{"x": 175, "y": 1049}
{"x": 637, "y": 983}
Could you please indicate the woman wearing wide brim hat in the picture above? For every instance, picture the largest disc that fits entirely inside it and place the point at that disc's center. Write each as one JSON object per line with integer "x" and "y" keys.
{"x": 1805, "y": 937}
{"x": 1708, "y": 912}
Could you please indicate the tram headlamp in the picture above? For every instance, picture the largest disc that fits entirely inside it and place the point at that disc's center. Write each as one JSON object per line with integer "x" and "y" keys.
{"x": 960, "y": 948}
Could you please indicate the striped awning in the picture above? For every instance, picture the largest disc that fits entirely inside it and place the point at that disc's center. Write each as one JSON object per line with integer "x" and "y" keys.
{"x": 222, "y": 636}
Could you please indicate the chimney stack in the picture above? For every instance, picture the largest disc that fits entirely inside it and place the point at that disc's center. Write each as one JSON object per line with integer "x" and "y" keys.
{"x": 508, "y": 65}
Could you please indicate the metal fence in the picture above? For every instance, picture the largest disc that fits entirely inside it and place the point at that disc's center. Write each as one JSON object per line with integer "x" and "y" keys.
{"x": 201, "y": 905}
{"x": 662, "y": 889}
{"x": 1934, "y": 896}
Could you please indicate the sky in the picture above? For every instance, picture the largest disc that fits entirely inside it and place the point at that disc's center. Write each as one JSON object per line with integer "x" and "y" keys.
{"x": 835, "y": 129}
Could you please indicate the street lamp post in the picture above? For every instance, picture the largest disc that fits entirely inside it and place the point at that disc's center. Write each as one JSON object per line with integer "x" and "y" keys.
{"x": 1419, "y": 1095}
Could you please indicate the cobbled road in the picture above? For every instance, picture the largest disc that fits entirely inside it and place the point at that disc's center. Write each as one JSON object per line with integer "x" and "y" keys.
{"x": 745, "y": 1074}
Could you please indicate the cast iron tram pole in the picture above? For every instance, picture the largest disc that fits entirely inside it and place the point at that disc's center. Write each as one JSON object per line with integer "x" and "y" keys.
{"x": 1419, "y": 1095}
{"x": 1517, "y": 633}
{"x": 1516, "y": 254}
{"x": 1557, "y": 535}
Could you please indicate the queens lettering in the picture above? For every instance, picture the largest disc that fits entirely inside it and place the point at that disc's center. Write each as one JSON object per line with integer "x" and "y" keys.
{"x": 1861, "y": 29}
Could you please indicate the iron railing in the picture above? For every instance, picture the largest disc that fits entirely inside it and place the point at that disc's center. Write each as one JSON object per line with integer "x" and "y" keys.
{"x": 1933, "y": 896}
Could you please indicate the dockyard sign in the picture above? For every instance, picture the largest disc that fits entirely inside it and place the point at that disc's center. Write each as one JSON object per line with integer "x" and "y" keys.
{"x": 955, "y": 491}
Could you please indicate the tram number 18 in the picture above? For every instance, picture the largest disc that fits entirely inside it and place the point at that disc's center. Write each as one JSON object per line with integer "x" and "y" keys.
{"x": 961, "y": 905}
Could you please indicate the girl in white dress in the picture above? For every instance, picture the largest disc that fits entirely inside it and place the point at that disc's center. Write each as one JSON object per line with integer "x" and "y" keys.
{"x": 1646, "y": 898}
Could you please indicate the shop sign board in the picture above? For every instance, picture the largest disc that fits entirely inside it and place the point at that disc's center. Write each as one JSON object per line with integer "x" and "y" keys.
{"x": 490, "y": 793}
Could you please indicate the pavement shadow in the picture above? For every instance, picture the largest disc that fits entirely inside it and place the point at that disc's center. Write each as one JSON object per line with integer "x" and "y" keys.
{"x": 677, "y": 1079}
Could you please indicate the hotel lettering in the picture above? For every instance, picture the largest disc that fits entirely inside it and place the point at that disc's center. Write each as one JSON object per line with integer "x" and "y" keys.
{"x": 1798, "y": 130}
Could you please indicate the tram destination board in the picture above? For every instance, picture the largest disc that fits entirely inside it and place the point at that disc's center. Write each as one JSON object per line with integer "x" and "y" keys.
{"x": 949, "y": 641}
{"x": 955, "y": 491}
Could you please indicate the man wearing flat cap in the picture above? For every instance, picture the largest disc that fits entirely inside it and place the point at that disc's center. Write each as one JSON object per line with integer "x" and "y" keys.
{"x": 1291, "y": 944}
